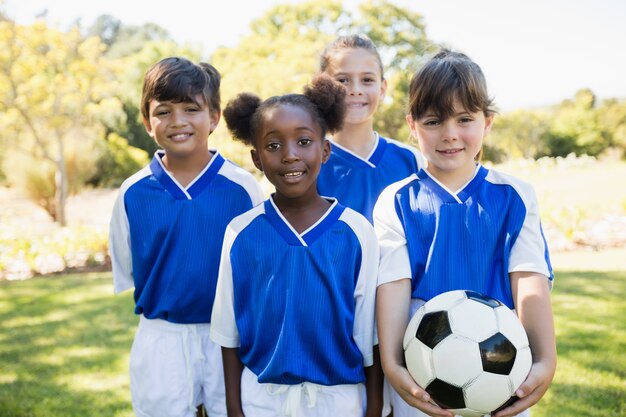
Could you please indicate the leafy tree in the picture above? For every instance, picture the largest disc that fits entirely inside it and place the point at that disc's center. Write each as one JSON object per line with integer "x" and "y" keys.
{"x": 56, "y": 93}
{"x": 612, "y": 119}
{"x": 282, "y": 53}
{"x": 400, "y": 36}
{"x": 518, "y": 134}
{"x": 576, "y": 128}
{"x": 107, "y": 28}
{"x": 279, "y": 56}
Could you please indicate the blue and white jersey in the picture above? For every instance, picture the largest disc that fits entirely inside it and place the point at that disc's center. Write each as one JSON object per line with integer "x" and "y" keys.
{"x": 300, "y": 307}
{"x": 165, "y": 239}
{"x": 471, "y": 239}
{"x": 358, "y": 182}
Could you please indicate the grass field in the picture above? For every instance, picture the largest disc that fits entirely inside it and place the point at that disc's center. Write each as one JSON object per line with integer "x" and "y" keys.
{"x": 64, "y": 343}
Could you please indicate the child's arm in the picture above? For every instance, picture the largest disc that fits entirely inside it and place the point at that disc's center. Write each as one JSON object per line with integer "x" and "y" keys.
{"x": 374, "y": 387}
{"x": 392, "y": 312}
{"x": 531, "y": 295}
{"x": 119, "y": 246}
{"x": 232, "y": 381}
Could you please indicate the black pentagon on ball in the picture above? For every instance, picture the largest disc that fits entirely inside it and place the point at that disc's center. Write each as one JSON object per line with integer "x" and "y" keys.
{"x": 446, "y": 395}
{"x": 433, "y": 328}
{"x": 497, "y": 354}
{"x": 482, "y": 298}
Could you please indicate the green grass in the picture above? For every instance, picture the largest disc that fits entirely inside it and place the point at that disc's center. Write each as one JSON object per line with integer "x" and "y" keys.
{"x": 64, "y": 345}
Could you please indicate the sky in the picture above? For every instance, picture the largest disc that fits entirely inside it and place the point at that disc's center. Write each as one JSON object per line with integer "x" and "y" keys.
{"x": 533, "y": 52}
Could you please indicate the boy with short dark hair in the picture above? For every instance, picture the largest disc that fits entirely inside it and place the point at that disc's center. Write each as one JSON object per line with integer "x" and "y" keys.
{"x": 166, "y": 237}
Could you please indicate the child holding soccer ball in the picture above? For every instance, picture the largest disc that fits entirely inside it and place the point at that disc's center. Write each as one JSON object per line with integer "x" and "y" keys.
{"x": 458, "y": 225}
{"x": 294, "y": 310}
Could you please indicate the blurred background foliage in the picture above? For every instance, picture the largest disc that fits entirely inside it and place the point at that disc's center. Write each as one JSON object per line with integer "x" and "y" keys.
{"x": 69, "y": 115}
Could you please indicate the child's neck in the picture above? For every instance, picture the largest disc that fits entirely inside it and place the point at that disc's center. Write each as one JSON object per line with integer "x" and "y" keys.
{"x": 455, "y": 179}
{"x": 358, "y": 138}
{"x": 301, "y": 214}
{"x": 187, "y": 168}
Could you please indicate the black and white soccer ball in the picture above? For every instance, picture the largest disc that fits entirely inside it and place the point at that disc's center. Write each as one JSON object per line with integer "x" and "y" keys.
{"x": 469, "y": 351}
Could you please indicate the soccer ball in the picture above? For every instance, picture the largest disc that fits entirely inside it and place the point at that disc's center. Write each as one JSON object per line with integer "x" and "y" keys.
{"x": 468, "y": 351}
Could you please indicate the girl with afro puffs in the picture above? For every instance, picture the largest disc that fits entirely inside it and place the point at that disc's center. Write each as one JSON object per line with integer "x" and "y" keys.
{"x": 294, "y": 310}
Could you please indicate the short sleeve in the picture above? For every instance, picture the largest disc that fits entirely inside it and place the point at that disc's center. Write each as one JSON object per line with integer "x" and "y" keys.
{"x": 394, "y": 254}
{"x": 224, "y": 330}
{"x": 365, "y": 290}
{"x": 529, "y": 252}
{"x": 119, "y": 247}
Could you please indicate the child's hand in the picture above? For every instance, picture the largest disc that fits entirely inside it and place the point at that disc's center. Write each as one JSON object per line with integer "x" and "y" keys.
{"x": 531, "y": 390}
{"x": 415, "y": 396}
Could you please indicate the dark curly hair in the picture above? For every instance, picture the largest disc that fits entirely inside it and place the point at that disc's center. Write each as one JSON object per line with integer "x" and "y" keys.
{"x": 324, "y": 99}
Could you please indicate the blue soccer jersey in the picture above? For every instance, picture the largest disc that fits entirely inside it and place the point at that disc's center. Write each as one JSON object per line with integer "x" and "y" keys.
{"x": 165, "y": 239}
{"x": 471, "y": 239}
{"x": 357, "y": 182}
{"x": 300, "y": 307}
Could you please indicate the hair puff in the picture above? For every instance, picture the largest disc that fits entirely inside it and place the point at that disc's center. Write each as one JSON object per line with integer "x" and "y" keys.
{"x": 238, "y": 115}
{"x": 329, "y": 96}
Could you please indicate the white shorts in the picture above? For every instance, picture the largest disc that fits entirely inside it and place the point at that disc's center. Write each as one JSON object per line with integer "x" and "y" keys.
{"x": 301, "y": 400}
{"x": 174, "y": 368}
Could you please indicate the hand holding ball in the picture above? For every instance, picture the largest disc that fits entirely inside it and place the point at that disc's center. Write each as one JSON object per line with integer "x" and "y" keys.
{"x": 470, "y": 352}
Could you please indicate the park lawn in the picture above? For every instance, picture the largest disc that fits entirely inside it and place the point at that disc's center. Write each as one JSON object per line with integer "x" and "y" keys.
{"x": 65, "y": 341}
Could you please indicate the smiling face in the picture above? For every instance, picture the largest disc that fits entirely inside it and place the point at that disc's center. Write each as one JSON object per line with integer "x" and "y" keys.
{"x": 290, "y": 149}
{"x": 450, "y": 145}
{"x": 181, "y": 128}
{"x": 360, "y": 72}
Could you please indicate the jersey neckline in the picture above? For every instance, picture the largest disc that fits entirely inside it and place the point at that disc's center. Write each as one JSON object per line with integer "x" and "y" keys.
{"x": 371, "y": 161}
{"x": 196, "y": 186}
{"x": 448, "y": 196}
{"x": 306, "y": 238}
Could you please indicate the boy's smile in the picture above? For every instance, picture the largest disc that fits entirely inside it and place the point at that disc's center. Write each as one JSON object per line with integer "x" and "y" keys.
{"x": 180, "y": 137}
{"x": 181, "y": 128}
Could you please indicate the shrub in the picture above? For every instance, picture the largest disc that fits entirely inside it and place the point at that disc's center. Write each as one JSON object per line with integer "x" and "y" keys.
{"x": 117, "y": 161}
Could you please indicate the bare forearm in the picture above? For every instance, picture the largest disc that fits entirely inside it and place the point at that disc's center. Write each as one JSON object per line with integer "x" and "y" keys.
{"x": 393, "y": 302}
{"x": 532, "y": 302}
{"x": 374, "y": 386}
{"x": 533, "y": 306}
{"x": 392, "y": 314}
{"x": 233, "y": 369}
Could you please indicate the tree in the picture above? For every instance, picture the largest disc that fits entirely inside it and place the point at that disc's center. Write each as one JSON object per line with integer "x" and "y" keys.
{"x": 400, "y": 36}
{"x": 282, "y": 53}
{"x": 518, "y": 134}
{"x": 56, "y": 93}
{"x": 612, "y": 119}
{"x": 575, "y": 127}
{"x": 107, "y": 28}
